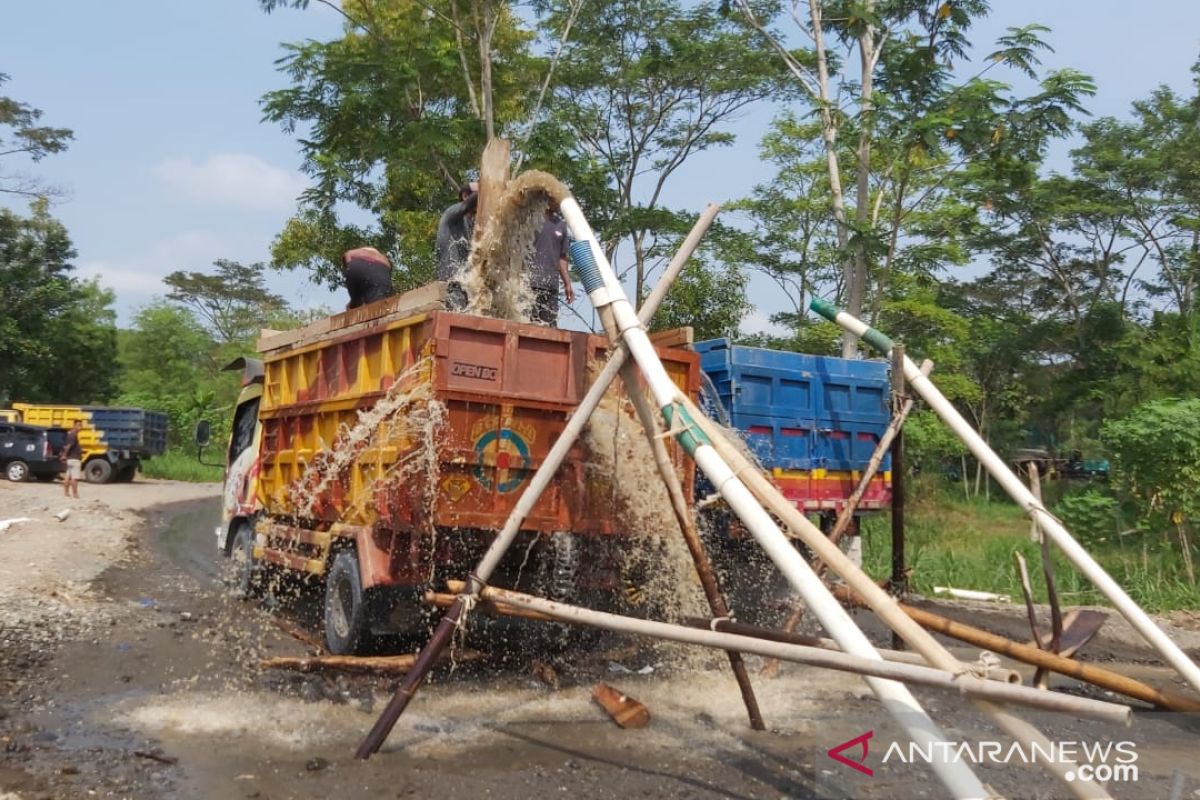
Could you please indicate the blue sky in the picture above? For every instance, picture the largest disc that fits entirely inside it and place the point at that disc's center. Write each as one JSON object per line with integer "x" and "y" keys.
{"x": 171, "y": 167}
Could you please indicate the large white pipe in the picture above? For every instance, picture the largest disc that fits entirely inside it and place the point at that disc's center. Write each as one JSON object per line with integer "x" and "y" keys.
{"x": 995, "y": 466}
{"x": 605, "y": 290}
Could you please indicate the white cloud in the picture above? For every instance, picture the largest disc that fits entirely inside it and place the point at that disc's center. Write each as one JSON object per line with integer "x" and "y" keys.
{"x": 759, "y": 322}
{"x": 234, "y": 180}
{"x": 128, "y": 282}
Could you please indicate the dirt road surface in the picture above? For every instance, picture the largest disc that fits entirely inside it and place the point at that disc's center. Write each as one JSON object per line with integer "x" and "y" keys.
{"x": 127, "y": 670}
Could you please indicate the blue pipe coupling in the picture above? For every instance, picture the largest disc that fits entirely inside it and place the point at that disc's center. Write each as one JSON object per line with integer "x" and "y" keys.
{"x": 585, "y": 262}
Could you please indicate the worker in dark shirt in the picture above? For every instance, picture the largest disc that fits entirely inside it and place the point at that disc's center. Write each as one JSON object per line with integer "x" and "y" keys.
{"x": 454, "y": 232}
{"x": 549, "y": 268}
{"x": 368, "y": 276}
{"x": 72, "y": 456}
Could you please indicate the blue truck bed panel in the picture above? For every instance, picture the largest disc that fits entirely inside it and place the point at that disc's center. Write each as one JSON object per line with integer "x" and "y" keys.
{"x": 801, "y": 411}
{"x": 133, "y": 429}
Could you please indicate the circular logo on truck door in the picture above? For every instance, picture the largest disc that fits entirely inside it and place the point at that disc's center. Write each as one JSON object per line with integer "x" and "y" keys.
{"x": 511, "y": 456}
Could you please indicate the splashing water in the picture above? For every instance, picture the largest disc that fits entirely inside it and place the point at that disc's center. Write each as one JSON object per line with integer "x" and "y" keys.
{"x": 496, "y": 274}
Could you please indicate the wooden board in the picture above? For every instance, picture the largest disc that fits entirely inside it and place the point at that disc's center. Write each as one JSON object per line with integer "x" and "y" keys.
{"x": 674, "y": 337}
{"x": 493, "y": 178}
{"x": 429, "y": 297}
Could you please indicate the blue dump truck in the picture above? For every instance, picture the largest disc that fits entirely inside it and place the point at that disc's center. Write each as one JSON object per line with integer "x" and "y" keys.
{"x": 812, "y": 421}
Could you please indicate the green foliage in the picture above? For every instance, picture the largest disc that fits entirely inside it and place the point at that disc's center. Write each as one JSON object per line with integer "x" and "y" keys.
{"x": 1156, "y": 459}
{"x": 22, "y": 135}
{"x": 970, "y": 545}
{"x": 1092, "y": 516}
{"x": 928, "y": 444}
{"x": 180, "y": 464}
{"x": 232, "y": 302}
{"x": 392, "y": 121}
{"x": 57, "y": 334}
{"x": 712, "y": 302}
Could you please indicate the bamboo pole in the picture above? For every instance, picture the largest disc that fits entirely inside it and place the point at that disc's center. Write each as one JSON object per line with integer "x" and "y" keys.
{"x": 394, "y": 664}
{"x": 1049, "y": 524}
{"x": 772, "y": 635}
{"x": 687, "y": 527}
{"x": 818, "y": 657}
{"x": 683, "y": 420}
{"x": 882, "y": 603}
{"x": 529, "y": 497}
{"x": 1089, "y": 673}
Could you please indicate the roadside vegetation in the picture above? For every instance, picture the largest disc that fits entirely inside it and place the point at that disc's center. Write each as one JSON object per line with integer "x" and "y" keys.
{"x": 969, "y": 544}
{"x": 180, "y": 464}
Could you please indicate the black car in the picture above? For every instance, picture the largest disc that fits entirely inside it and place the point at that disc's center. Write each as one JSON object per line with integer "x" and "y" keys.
{"x": 31, "y": 450}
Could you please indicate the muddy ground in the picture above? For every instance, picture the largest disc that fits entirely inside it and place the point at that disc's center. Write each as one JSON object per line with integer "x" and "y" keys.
{"x": 127, "y": 670}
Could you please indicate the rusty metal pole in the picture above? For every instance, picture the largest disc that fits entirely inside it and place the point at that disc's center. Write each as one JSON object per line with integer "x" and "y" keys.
{"x": 899, "y": 581}
{"x": 545, "y": 473}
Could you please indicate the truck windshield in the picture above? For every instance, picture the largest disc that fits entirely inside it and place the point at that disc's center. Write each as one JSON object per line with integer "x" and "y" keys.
{"x": 243, "y": 428}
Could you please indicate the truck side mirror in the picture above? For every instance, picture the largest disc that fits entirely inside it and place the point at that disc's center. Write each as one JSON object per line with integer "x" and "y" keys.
{"x": 203, "y": 433}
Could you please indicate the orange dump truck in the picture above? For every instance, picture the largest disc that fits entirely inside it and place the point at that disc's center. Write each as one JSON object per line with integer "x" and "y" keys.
{"x": 380, "y": 450}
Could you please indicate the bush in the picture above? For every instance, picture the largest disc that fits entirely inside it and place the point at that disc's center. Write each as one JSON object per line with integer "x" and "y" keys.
{"x": 1092, "y": 516}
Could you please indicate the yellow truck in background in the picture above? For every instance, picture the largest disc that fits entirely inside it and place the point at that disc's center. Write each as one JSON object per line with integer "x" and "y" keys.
{"x": 114, "y": 440}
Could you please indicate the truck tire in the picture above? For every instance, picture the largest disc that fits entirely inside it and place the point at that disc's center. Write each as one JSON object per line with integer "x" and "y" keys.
{"x": 98, "y": 470}
{"x": 246, "y": 582}
{"x": 127, "y": 473}
{"x": 345, "y": 606}
{"x": 17, "y": 471}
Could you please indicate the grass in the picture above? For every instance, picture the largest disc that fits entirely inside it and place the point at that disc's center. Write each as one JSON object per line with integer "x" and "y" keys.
{"x": 970, "y": 545}
{"x": 181, "y": 465}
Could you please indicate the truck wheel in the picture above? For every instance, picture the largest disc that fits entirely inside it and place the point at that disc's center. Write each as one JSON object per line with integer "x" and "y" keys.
{"x": 98, "y": 470}
{"x": 17, "y": 471}
{"x": 127, "y": 473}
{"x": 246, "y": 583}
{"x": 345, "y": 609}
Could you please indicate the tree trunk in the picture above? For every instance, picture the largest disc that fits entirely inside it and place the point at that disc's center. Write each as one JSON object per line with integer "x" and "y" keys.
{"x": 486, "y": 25}
{"x": 856, "y": 277}
{"x": 829, "y": 137}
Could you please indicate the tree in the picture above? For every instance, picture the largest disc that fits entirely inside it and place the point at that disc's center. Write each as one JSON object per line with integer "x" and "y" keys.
{"x": 233, "y": 303}
{"x": 397, "y": 112}
{"x": 26, "y": 137}
{"x": 643, "y": 87}
{"x": 1156, "y": 450}
{"x": 919, "y": 136}
{"x": 55, "y": 333}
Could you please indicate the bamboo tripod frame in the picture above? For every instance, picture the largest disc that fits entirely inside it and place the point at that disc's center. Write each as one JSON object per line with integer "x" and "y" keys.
{"x": 753, "y": 499}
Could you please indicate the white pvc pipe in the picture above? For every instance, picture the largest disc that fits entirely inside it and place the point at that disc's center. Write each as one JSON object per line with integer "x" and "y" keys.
{"x": 1078, "y": 556}
{"x": 896, "y": 698}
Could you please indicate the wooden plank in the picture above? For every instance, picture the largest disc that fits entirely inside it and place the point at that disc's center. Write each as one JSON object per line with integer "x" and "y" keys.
{"x": 429, "y": 297}
{"x": 674, "y": 337}
{"x": 493, "y": 178}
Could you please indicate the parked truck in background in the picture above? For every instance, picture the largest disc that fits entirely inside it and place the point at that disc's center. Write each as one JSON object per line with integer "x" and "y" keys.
{"x": 812, "y": 421}
{"x": 379, "y": 451}
{"x": 114, "y": 440}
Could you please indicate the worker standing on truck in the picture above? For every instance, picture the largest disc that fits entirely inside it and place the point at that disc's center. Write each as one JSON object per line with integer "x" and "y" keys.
{"x": 454, "y": 232}
{"x": 549, "y": 267}
{"x": 368, "y": 276}
{"x": 72, "y": 455}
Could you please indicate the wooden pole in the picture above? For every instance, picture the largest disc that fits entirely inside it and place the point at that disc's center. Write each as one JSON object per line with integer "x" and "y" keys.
{"x": 829, "y": 659}
{"x": 683, "y": 517}
{"x": 1098, "y": 676}
{"x": 899, "y": 582}
{"x": 442, "y": 635}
